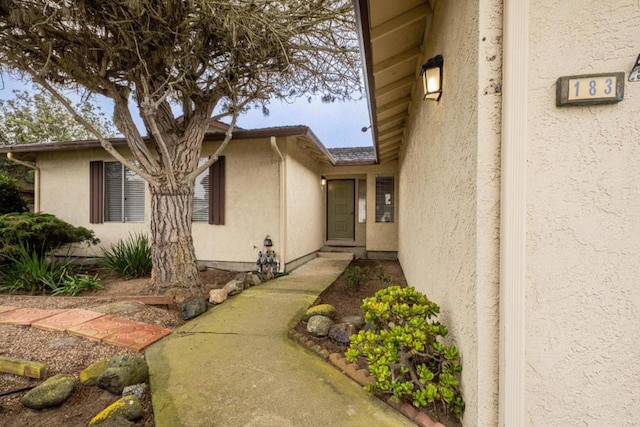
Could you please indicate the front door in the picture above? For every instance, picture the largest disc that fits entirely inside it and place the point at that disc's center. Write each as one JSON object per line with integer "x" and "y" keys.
{"x": 340, "y": 209}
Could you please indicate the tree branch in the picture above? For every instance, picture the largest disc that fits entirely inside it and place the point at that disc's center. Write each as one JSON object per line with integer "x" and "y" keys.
{"x": 214, "y": 157}
{"x": 103, "y": 141}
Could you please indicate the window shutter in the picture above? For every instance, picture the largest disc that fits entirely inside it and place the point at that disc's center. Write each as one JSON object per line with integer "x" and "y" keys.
{"x": 217, "y": 190}
{"x": 96, "y": 195}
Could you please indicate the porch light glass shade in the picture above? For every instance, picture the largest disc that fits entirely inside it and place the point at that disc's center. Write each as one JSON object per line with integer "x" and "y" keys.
{"x": 432, "y": 78}
{"x": 323, "y": 182}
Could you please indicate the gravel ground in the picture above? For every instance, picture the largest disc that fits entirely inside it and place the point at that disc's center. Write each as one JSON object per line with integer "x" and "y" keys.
{"x": 63, "y": 353}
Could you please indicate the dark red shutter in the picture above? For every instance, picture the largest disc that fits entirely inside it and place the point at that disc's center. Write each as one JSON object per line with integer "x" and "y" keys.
{"x": 96, "y": 186}
{"x": 216, "y": 192}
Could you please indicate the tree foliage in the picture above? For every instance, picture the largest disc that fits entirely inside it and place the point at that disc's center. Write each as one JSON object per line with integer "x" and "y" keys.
{"x": 199, "y": 56}
{"x": 30, "y": 118}
{"x": 39, "y": 232}
{"x": 10, "y": 198}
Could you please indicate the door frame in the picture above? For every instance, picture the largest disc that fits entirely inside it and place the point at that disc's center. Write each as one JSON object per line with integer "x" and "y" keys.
{"x": 353, "y": 207}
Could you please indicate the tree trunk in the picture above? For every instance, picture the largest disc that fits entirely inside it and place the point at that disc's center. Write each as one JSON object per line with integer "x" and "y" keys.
{"x": 175, "y": 268}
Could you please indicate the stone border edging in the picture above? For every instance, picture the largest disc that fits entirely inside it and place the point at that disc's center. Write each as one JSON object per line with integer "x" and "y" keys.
{"x": 362, "y": 377}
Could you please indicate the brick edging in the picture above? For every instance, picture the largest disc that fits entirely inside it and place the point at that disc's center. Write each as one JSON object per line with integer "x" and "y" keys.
{"x": 362, "y": 377}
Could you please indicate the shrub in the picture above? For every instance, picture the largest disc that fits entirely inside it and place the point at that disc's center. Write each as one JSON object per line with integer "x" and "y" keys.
{"x": 404, "y": 352}
{"x": 10, "y": 198}
{"x": 382, "y": 275}
{"x": 76, "y": 284}
{"x": 30, "y": 272}
{"x": 129, "y": 258}
{"x": 356, "y": 277}
{"x": 39, "y": 232}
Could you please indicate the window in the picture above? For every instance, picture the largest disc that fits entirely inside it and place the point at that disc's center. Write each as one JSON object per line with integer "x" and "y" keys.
{"x": 208, "y": 197}
{"x": 117, "y": 194}
{"x": 362, "y": 201}
{"x": 385, "y": 202}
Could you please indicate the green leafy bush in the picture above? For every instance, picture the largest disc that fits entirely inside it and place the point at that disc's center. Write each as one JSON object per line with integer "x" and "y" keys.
{"x": 404, "y": 351}
{"x": 356, "y": 277}
{"x": 30, "y": 272}
{"x": 75, "y": 284}
{"x": 39, "y": 232}
{"x": 10, "y": 198}
{"x": 129, "y": 258}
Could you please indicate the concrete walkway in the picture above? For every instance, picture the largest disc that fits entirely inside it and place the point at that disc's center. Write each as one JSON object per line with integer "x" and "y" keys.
{"x": 235, "y": 365}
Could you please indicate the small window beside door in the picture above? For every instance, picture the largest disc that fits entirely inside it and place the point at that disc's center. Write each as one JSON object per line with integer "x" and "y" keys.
{"x": 385, "y": 199}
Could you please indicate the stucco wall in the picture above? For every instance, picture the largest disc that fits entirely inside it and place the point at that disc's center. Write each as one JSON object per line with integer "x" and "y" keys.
{"x": 304, "y": 203}
{"x": 64, "y": 192}
{"x": 449, "y": 193}
{"x": 583, "y": 298}
{"x": 252, "y": 203}
{"x": 378, "y": 236}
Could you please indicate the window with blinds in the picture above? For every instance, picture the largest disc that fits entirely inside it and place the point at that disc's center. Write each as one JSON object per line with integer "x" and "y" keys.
{"x": 123, "y": 194}
{"x": 385, "y": 199}
{"x": 201, "y": 196}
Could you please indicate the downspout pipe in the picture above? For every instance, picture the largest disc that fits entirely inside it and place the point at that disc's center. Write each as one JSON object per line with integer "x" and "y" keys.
{"x": 283, "y": 203}
{"x": 36, "y": 179}
{"x": 513, "y": 213}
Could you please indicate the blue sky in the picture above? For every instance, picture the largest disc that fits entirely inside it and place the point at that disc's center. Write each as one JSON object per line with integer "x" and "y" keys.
{"x": 337, "y": 124}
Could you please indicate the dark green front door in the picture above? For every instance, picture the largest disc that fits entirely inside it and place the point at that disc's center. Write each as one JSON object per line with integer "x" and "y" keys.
{"x": 340, "y": 209}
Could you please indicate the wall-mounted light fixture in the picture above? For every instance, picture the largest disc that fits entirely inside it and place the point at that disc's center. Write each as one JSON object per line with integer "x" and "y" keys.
{"x": 634, "y": 75}
{"x": 267, "y": 242}
{"x": 323, "y": 181}
{"x": 431, "y": 73}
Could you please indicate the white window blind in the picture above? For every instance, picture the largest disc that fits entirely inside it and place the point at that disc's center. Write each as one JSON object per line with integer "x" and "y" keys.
{"x": 123, "y": 193}
{"x": 201, "y": 196}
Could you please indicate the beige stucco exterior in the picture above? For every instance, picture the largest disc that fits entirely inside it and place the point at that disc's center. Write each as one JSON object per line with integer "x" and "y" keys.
{"x": 272, "y": 189}
{"x": 580, "y": 235}
{"x": 583, "y": 221}
{"x": 449, "y": 195}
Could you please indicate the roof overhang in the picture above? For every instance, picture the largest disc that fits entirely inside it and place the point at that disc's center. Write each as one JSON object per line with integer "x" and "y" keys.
{"x": 391, "y": 35}
{"x": 303, "y": 135}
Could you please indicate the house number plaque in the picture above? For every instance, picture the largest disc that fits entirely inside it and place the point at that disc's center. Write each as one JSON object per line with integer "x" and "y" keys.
{"x": 590, "y": 89}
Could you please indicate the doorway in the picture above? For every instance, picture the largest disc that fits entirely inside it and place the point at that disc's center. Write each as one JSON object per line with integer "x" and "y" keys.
{"x": 341, "y": 209}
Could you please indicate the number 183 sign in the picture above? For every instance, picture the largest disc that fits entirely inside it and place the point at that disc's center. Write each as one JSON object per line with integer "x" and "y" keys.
{"x": 590, "y": 89}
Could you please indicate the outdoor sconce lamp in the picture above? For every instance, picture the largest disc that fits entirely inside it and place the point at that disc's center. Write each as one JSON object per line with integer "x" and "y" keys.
{"x": 267, "y": 242}
{"x": 323, "y": 181}
{"x": 431, "y": 73}
{"x": 634, "y": 75}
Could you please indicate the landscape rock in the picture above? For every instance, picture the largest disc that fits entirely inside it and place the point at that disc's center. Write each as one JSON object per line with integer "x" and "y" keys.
{"x": 128, "y": 407}
{"x": 326, "y": 310}
{"x": 234, "y": 287}
{"x": 341, "y": 332}
{"x": 194, "y": 308}
{"x": 115, "y": 422}
{"x": 319, "y": 325}
{"x": 254, "y": 279}
{"x": 89, "y": 376}
{"x": 357, "y": 321}
{"x": 217, "y": 296}
{"x": 137, "y": 390}
{"x": 50, "y": 393}
{"x": 123, "y": 371}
